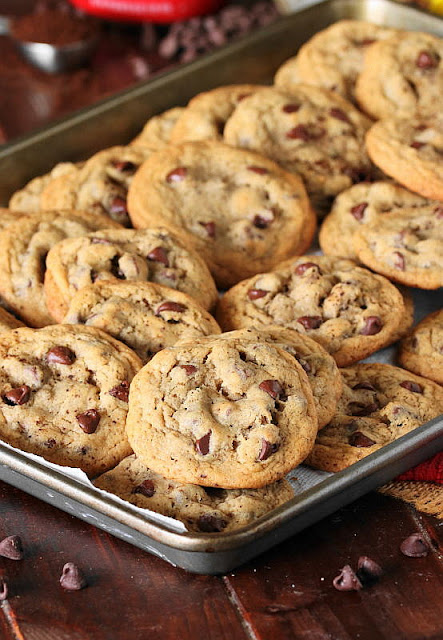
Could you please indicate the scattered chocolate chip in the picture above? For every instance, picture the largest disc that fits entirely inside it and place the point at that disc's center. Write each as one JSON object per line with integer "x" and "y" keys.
{"x": 169, "y": 305}
{"x": 202, "y": 445}
{"x": 364, "y": 385}
{"x": 261, "y": 223}
{"x": 4, "y": 591}
{"x": 254, "y": 294}
{"x": 89, "y": 420}
{"x": 414, "y": 546}
{"x": 210, "y": 228}
{"x": 272, "y": 387}
{"x": 189, "y": 368}
{"x": 339, "y": 115}
{"x": 399, "y": 260}
{"x": 301, "y": 268}
{"x": 17, "y": 396}
{"x": 267, "y": 449}
{"x": 426, "y": 60}
{"x": 118, "y": 206}
{"x": 310, "y": 322}
{"x": 347, "y": 580}
{"x": 121, "y": 391}
{"x": 146, "y": 488}
{"x": 300, "y": 132}
{"x": 358, "y": 210}
{"x": 410, "y": 385}
{"x": 12, "y": 548}
{"x": 368, "y": 571}
{"x": 291, "y": 108}
{"x": 159, "y": 255}
{"x": 373, "y": 325}
{"x": 358, "y": 439}
{"x": 211, "y": 523}
{"x": 260, "y": 170}
{"x": 417, "y": 145}
{"x": 72, "y": 578}
{"x": 60, "y": 355}
{"x": 177, "y": 175}
{"x": 124, "y": 166}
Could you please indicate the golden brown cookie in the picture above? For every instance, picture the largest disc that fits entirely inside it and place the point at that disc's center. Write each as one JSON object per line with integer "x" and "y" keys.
{"x": 157, "y": 131}
{"x": 422, "y": 351}
{"x": 27, "y": 199}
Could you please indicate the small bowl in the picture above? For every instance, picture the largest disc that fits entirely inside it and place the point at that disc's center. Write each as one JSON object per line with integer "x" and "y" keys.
{"x": 57, "y": 58}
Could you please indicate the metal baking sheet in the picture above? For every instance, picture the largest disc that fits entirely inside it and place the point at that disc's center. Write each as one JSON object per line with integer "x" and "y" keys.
{"x": 116, "y": 120}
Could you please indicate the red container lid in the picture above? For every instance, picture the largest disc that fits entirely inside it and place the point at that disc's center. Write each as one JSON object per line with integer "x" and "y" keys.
{"x": 148, "y": 10}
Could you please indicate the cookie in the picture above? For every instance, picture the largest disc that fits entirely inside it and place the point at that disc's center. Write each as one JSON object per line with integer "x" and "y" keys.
{"x": 157, "y": 131}
{"x": 206, "y": 115}
{"x": 147, "y": 317}
{"x": 8, "y": 216}
{"x": 149, "y": 255}
{"x": 402, "y": 76}
{"x": 406, "y": 246}
{"x": 380, "y": 403}
{"x": 332, "y": 58}
{"x": 24, "y": 246}
{"x": 350, "y": 311}
{"x": 63, "y": 395}
{"x": 201, "y": 509}
{"x": 320, "y": 367}
{"x": 8, "y": 322}
{"x": 410, "y": 151}
{"x": 241, "y": 212}
{"x": 360, "y": 205}
{"x": 222, "y": 413}
{"x": 100, "y": 186}
{"x": 422, "y": 351}
{"x": 311, "y": 132}
{"x": 27, "y": 199}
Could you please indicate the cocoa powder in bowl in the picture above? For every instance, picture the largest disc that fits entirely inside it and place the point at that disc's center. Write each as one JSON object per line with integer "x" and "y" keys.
{"x": 53, "y": 26}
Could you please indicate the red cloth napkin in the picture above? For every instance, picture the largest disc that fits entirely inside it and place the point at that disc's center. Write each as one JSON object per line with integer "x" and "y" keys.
{"x": 429, "y": 471}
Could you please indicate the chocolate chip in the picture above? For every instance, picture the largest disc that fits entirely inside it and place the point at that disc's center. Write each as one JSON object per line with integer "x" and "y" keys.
{"x": 17, "y": 396}
{"x": 267, "y": 449}
{"x": 272, "y": 387}
{"x": 159, "y": 255}
{"x": 89, "y": 420}
{"x": 339, "y": 115}
{"x": 169, "y": 305}
{"x": 211, "y": 523}
{"x": 146, "y": 488}
{"x": 189, "y": 368}
{"x": 410, "y": 385}
{"x": 291, "y": 108}
{"x": 368, "y": 571}
{"x": 439, "y": 212}
{"x": 399, "y": 260}
{"x": 373, "y": 325}
{"x": 366, "y": 42}
{"x": 305, "y": 365}
{"x": 210, "y": 228}
{"x": 301, "y": 268}
{"x": 12, "y": 548}
{"x": 414, "y": 546}
{"x": 358, "y": 439}
{"x": 177, "y": 175}
{"x": 358, "y": 210}
{"x": 72, "y": 578}
{"x": 124, "y": 166}
{"x": 118, "y": 206}
{"x": 347, "y": 580}
{"x": 60, "y": 355}
{"x": 310, "y": 322}
{"x": 417, "y": 145}
{"x": 115, "y": 268}
{"x": 364, "y": 385}
{"x": 300, "y": 132}
{"x": 359, "y": 409}
{"x": 426, "y": 60}
{"x": 260, "y": 170}
{"x": 261, "y": 223}
{"x": 121, "y": 391}
{"x": 254, "y": 294}
{"x": 202, "y": 445}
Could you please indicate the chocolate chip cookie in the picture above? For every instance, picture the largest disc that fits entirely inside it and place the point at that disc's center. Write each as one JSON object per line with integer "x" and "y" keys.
{"x": 64, "y": 395}
{"x": 222, "y": 413}
{"x": 100, "y": 186}
{"x": 350, "y": 311}
{"x": 402, "y": 76}
{"x": 333, "y": 58}
{"x": 157, "y": 131}
{"x": 310, "y": 131}
{"x": 406, "y": 246}
{"x": 27, "y": 199}
{"x": 24, "y": 246}
{"x": 422, "y": 351}
{"x": 202, "y": 509}
{"x": 380, "y": 403}
{"x": 8, "y": 322}
{"x": 145, "y": 316}
{"x": 360, "y": 205}
{"x": 241, "y": 211}
{"x": 153, "y": 255}
{"x": 8, "y": 216}
{"x": 410, "y": 150}
{"x": 207, "y": 113}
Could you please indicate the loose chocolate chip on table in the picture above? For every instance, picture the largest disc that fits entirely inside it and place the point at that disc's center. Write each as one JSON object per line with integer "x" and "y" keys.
{"x": 373, "y": 325}
{"x": 210, "y": 228}
{"x": 89, "y": 420}
{"x": 411, "y": 386}
{"x": 399, "y": 260}
{"x": 339, "y": 114}
{"x": 4, "y": 591}
{"x": 291, "y": 108}
{"x": 347, "y": 580}
{"x": 414, "y": 546}
{"x": 169, "y": 305}
{"x": 177, "y": 175}
{"x": 189, "y": 369}
{"x": 358, "y": 439}
{"x": 272, "y": 387}
{"x": 17, "y": 396}
{"x": 202, "y": 445}
{"x": 267, "y": 449}
{"x": 72, "y": 578}
{"x": 358, "y": 210}
{"x": 260, "y": 170}
{"x": 159, "y": 255}
{"x": 368, "y": 570}
{"x": 254, "y": 294}
{"x": 426, "y": 60}
{"x": 310, "y": 322}
{"x": 121, "y": 391}
{"x": 118, "y": 205}
{"x": 12, "y": 548}
{"x": 211, "y": 523}
{"x": 60, "y": 355}
{"x": 301, "y": 268}
{"x": 146, "y": 488}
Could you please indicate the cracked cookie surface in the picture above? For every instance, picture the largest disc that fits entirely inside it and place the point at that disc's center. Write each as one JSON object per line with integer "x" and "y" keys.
{"x": 422, "y": 351}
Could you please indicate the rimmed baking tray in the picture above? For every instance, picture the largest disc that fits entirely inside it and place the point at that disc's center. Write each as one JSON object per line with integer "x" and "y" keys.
{"x": 253, "y": 59}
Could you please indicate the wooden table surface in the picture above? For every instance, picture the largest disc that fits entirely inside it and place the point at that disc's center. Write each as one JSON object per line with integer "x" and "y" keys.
{"x": 285, "y": 593}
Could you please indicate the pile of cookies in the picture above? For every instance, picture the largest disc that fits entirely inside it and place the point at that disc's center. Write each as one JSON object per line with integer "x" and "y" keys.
{"x": 197, "y": 406}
